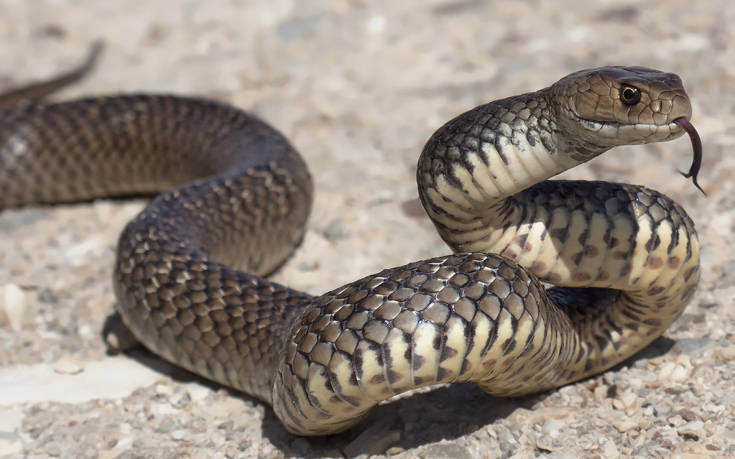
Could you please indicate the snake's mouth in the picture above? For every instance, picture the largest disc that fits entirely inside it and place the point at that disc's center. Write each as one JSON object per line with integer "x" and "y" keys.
{"x": 631, "y": 133}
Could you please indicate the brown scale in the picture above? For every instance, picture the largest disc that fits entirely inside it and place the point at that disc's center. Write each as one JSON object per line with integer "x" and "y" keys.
{"x": 238, "y": 195}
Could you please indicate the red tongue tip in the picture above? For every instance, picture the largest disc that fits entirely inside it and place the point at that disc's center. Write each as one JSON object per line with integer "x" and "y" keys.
{"x": 696, "y": 146}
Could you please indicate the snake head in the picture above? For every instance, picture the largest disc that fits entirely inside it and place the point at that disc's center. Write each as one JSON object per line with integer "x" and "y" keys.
{"x": 611, "y": 106}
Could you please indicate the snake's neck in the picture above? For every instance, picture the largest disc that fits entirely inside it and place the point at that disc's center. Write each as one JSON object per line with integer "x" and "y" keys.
{"x": 472, "y": 168}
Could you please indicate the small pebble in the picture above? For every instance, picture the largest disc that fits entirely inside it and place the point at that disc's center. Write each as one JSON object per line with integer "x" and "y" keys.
{"x": 78, "y": 254}
{"x": 180, "y": 434}
{"x": 662, "y": 410}
{"x": 508, "y": 443}
{"x": 46, "y": 295}
{"x": 625, "y": 424}
{"x": 336, "y": 230}
{"x": 609, "y": 450}
{"x": 693, "y": 430}
{"x": 164, "y": 389}
{"x": 677, "y": 421}
{"x": 666, "y": 370}
{"x": 447, "y": 451}
{"x": 179, "y": 399}
{"x": 687, "y": 414}
{"x": 13, "y": 306}
{"x": 629, "y": 399}
{"x": 68, "y": 365}
{"x": 308, "y": 266}
{"x": 86, "y": 332}
{"x": 552, "y": 427}
{"x": 679, "y": 374}
{"x": 197, "y": 392}
{"x": 393, "y": 450}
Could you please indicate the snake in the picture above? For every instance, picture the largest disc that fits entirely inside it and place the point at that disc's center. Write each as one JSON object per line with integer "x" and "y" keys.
{"x": 549, "y": 281}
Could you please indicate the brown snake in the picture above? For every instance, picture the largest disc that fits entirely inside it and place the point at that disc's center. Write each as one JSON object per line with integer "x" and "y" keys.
{"x": 239, "y": 195}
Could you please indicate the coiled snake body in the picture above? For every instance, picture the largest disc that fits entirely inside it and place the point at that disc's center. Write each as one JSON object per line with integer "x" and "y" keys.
{"x": 239, "y": 195}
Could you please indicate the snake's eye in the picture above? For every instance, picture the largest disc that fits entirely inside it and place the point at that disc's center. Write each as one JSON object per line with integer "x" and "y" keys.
{"x": 630, "y": 95}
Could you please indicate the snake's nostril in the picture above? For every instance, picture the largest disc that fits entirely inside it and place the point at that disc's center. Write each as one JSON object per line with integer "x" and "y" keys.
{"x": 680, "y": 108}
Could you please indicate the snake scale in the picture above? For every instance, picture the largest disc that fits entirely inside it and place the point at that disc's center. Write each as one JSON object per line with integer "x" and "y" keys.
{"x": 624, "y": 258}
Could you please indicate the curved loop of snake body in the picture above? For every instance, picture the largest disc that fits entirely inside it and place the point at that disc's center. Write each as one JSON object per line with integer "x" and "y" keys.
{"x": 239, "y": 195}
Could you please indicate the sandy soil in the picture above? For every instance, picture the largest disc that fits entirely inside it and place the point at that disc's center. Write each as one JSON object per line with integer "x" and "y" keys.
{"x": 358, "y": 87}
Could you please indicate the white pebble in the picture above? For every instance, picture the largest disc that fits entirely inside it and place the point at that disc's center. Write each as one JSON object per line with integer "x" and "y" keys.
{"x": 552, "y": 427}
{"x": 600, "y": 392}
{"x": 677, "y": 421}
{"x": 608, "y": 448}
{"x": 197, "y": 392}
{"x": 684, "y": 361}
{"x": 180, "y": 435}
{"x": 164, "y": 389}
{"x": 624, "y": 424}
{"x": 376, "y": 24}
{"x": 68, "y": 365}
{"x": 85, "y": 331}
{"x": 666, "y": 370}
{"x": 78, "y": 254}
{"x": 629, "y": 399}
{"x": 12, "y": 306}
{"x": 679, "y": 374}
{"x": 125, "y": 428}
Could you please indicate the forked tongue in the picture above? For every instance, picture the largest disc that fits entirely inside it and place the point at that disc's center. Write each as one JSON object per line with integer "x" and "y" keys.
{"x": 696, "y": 146}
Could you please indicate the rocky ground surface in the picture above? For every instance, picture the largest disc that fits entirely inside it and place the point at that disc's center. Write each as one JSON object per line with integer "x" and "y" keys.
{"x": 359, "y": 86}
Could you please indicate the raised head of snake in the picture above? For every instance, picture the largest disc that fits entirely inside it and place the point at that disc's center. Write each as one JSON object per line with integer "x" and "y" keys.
{"x": 605, "y": 107}
{"x": 479, "y": 315}
{"x": 610, "y": 106}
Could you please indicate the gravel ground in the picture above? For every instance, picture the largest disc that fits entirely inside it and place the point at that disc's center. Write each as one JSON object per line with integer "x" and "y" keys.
{"x": 359, "y": 86}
